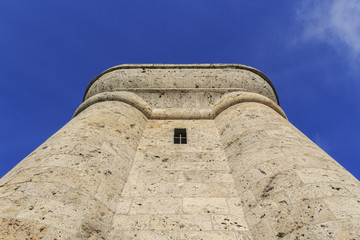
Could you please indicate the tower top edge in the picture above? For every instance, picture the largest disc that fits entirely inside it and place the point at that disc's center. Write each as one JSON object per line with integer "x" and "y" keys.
{"x": 184, "y": 66}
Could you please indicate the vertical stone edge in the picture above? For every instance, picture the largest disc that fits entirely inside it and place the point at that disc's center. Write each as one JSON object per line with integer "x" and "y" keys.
{"x": 73, "y": 181}
{"x": 287, "y": 182}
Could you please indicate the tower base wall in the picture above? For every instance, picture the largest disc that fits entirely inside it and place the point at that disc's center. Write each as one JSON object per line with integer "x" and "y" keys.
{"x": 71, "y": 184}
{"x": 289, "y": 187}
{"x": 115, "y": 170}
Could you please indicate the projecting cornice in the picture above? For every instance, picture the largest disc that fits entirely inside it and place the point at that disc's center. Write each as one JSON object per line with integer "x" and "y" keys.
{"x": 227, "y": 101}
{"x": 142, "y": 77}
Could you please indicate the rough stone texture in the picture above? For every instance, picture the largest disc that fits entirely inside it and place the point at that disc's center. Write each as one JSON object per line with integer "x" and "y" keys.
{"x": 184, "y": 191}
{"x": 287, "y": 184}
{"x": 152, "y": 82}
{"x": 13, "y": 229}
{"x": 113, "y": 172}
{"x": 73, "y": 181}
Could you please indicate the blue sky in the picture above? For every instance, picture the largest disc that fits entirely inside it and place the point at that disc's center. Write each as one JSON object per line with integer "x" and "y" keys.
{"x": 50, "y": 51}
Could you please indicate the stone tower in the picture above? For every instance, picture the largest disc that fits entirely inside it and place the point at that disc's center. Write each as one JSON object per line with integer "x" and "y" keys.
{"x": 179, "y": 152}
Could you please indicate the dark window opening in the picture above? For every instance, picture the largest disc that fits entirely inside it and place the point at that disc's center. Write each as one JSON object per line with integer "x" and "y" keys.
{"x": 180, "y": 136}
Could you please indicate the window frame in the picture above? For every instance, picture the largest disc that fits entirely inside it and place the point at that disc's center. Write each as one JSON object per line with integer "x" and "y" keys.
{"x": 180, "y": 136}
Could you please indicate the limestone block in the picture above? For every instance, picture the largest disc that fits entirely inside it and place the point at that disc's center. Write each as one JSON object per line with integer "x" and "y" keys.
{"x": 57, "y": 234}
{"x": 209, "y": 235}
{"x": 353, "y": 188}
{"x": 310, "y": 150}
{"x": 207, "y": 176}
{"x": 109, "y": 195}
{"x": 311, "y": 175}
{"x": 275, "y": 183}
{"x": 247, "y": 200}
{"x": 26, "y": 175}
{"x": 64, "y": 160}
{"x": 255, "y": 215}
{"x": 263, "y": 230}
{"x": 302, "y": 233}
{"x": 170, "y": 149}
{"x": 93, "y": 229}
{"x": 213, "y": 156}
{"x": 252, "y": 176}
{"x": 293, "y": 162}
{"x": 156, "y": 165}
{"x": 133, "y": 189}
{"x": 43, "y": 189}
{"x": 299, "y": 215}
{"x": 269, "y": 208}
{"x": 344, "y": 207}
{"x": 190, "y": 189}
{"x": 183, "y": 166}
{"x": 123, "y": 152}
{"x": 11, "y": 205}
{"x": 153, "y": 130}
{"x": 209, "y": 190}
{"x": 206, "y": 98}
{"x": 243, "y": 235}
{"x": 123, "y": 206}
{"x": 156, "y": 205}
{"x": 316, "y": 190}
{"x": 130, "y": 222}
{"x": 53, "y": 146}
{"x": 229, "y": 222}
{"x": 145, "y": 235}
{"x": 245, "y": 140}
{"x": 35, "y": 159}
{"x": 158, "y": 176}
{"x": 237, "y": 169}
{"x": 9, "y": 189}
{"x": 235, "y": 205}
{"x": 13, "y": 229}
{"x": 212, "y": 149}
{"x": 343, "y": 229}
{"x": 181, "y": 222}
{"x": 115, "y": 177}
{"x": 58, "y": 176}
{"x": 190, "y": 103}
{"x": 51, "y": 212}
{"x": 205, "y": 206}
{"x": 164, "y": 189}
{"x": 89, "y": 205}
{"x": 99, "y": 166}
{"x": 255, "y": 157}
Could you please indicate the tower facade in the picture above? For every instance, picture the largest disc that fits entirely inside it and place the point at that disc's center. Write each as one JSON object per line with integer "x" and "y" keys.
{"x": 179, "y": 152}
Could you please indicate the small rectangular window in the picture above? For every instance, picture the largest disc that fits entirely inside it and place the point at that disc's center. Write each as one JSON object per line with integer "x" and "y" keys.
{"x": 180, "y": 136}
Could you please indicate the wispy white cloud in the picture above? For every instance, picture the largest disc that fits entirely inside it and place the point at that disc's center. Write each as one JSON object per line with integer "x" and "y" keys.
{"x": 336, "y": 22}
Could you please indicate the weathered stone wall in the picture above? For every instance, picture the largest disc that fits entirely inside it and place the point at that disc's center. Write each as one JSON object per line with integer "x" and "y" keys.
{"x": 113, "y": 171}
{"x": 180, "y": 191}
{"x": 70, "y": 186}
{"x": 289, "y": 187}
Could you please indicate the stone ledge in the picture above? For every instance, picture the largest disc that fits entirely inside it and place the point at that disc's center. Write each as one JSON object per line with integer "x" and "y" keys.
{"x": 223, "y": 103}
{"x": 234, "y": 98}
{"x": 126, "y": 97}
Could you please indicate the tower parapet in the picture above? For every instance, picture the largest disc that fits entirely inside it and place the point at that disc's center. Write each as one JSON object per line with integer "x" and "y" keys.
{"x": 203, "y": 77}
{"x": 188, "y": 91}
